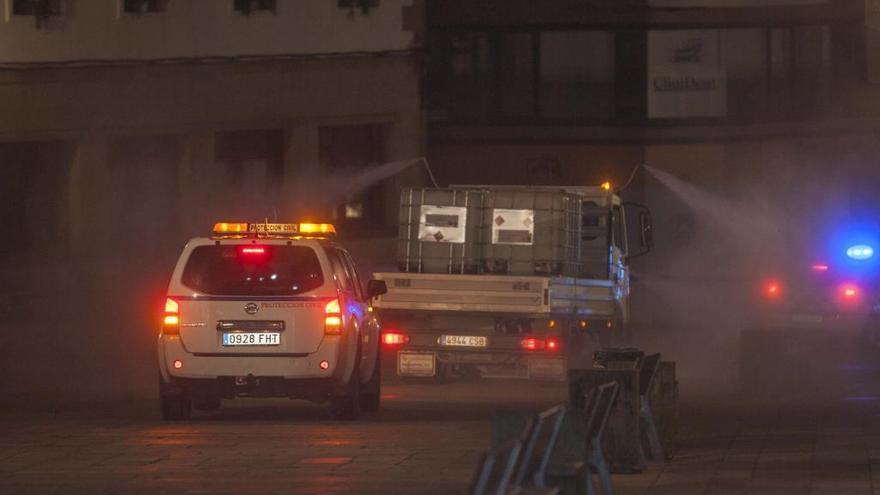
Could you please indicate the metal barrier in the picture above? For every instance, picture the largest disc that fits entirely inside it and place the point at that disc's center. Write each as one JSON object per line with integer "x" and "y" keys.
{"x": 598, "y": 405}
{"x": 496, "y": 469}
{"x": 649, "y": 366}
{"x": 541, "y": 466}
{"x": 633, "y": 428}
{"x": 540, "y": 436}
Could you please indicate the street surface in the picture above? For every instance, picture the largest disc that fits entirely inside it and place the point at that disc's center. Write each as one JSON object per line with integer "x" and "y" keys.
{"x": 427, "y": 439}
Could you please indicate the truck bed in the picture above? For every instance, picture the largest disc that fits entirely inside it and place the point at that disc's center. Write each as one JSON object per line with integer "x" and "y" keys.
{"x": 526, "y": 295}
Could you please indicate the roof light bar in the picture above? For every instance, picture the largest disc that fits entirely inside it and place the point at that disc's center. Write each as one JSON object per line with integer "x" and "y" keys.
{"x": 860, "y": 252}
{"x": 242, "y": 229}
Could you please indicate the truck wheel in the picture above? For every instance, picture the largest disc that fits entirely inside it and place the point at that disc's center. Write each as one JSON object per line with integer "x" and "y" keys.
{"x": 372, "y": 390}
{"x": 348, "y": 405}
{"x": 175, "y": 407}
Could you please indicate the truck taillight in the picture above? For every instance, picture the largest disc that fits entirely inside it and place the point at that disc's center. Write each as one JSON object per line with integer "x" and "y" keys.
{"x": 394, "y": 339}
{"x": 332, "y": 318}
{"x": 171, "y": 320}
{"x": 537, "y": 344}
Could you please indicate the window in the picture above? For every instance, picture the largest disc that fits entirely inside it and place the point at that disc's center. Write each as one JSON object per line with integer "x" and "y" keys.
{"x": 520, "y": 75}
{"x": 340, "y": 270}
{"x": 800, "y": 69}
{"x": 225, "y": 271}
{"x": 358, "y": 286}
{"x": 33, "y": 182}
{"x": 460, "y": 75}
{"x": 617, "y": 228}
{"x": 356, "y": 153}
{"x": 253, "y": 162}
{"x": 143, "y": 6}
{"x": 577, "y": 75}
{"x": 744, "y": 54}
{"x": 248, "y": 6}
{"x": 37, "y": 8}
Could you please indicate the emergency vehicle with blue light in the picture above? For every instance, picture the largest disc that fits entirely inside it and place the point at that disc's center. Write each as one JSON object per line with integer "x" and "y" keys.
{"x": 268, "y": 310}
{"x": 820, "y": 293}
{"x": 812, "y": 309}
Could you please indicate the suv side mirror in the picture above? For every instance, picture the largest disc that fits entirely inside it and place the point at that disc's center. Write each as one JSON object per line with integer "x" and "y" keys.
{"x": 376, "y": 288}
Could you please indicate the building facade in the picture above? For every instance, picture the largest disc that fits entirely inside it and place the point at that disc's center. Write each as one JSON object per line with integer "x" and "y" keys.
{"x": 170, "y": 114}
{"x": 129, "y": 126}
{"x": 762, "y": 109}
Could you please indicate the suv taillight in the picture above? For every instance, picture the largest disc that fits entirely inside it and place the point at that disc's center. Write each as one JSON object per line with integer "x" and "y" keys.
{"x": 171, "y": 321}
{"x": 332, "y": 318}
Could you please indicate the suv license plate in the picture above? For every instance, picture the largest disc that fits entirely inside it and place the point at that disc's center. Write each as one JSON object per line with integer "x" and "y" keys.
{"x": 231, "y": 339}
{"x": 464, "y": 340}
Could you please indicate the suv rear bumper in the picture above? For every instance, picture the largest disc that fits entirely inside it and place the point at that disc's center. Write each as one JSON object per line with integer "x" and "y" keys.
{"x": 317, "y": 389}
{"x": 197, "y": 366}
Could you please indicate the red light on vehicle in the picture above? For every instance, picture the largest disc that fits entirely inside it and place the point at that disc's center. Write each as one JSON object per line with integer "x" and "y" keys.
{"x": 171, "y": 306}
{"x": 394, "y": 339}
{"x": 552, "y": 344}
{"x": 820, "y": 267}
{"x": 171, "y": 320}
{"x": 332, "y": 318}
{"x": 532, "y": 344}
{"x": 849, "y": 292}
{"x": 178, "y": 364}
{"x": 253, "y": 252}
{"x": 772, "y": 289}
{"x": 324, "y": 365}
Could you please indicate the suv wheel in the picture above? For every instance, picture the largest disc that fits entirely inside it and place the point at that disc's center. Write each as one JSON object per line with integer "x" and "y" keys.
{"x": 372, "y": 393}
{"x": 348, "y": 405}
{"x": 175, "y": 407}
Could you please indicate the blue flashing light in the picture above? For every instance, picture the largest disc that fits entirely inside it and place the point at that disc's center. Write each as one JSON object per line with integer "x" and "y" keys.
{"x": 860, "y": 252}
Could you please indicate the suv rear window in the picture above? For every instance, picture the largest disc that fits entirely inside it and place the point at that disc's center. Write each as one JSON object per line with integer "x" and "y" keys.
{"x": 253, "y": 270}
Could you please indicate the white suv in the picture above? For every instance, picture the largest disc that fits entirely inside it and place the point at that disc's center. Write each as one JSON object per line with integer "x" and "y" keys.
{"x": 268, "y": 310}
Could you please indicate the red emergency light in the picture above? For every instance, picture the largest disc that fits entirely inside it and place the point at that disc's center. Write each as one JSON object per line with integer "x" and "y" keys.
{"x": 849, "y": 292}
{"x": 772, "y": 289}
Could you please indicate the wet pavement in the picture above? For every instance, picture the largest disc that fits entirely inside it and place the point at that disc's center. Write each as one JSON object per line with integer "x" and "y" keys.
{"x": 428, "y": 438}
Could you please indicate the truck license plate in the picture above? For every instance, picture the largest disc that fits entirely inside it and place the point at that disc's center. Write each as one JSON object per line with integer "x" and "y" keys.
{"x": 251, "y": 338}
{"x": 464, "y": 340}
